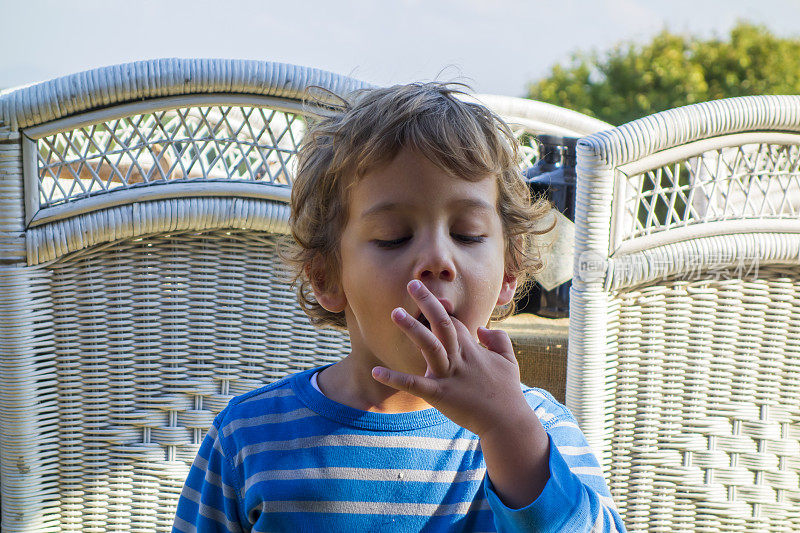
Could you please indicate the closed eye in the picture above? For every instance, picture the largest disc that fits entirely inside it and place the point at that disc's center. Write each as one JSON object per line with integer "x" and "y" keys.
{"x": 393, "y": 243}
{"x": 468, "y": 239}
{"x": 396, "y": 243}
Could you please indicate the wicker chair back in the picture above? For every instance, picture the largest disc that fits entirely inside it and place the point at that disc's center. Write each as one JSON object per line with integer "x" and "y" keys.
{"x": 684, "y": 352}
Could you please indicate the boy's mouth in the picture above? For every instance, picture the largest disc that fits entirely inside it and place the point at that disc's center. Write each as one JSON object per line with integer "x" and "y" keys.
{"x": 424, "y": 320}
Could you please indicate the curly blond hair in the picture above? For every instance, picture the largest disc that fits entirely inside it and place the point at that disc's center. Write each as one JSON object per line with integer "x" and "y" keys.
{"x": 369, "y": 128}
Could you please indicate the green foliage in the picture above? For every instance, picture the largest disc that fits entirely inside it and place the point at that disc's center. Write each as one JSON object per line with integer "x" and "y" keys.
{"x": 632, "y": 80}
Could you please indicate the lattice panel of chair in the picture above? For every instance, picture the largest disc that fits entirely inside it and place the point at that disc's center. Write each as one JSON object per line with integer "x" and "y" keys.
{"x": 150, "y": 340}
{"x": 529, "y": 148}
{"x": 705, "y": 399}
{"x": 200, "y": 142}
{"x": 751, "y": 181}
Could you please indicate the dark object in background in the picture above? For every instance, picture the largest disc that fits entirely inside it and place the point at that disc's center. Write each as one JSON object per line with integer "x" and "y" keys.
{"x": 552, "y": 176}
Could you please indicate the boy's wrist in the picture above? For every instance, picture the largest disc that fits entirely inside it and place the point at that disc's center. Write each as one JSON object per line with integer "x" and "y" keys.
{"x": 515, "y": 423}
{"x": 516, "y": 450}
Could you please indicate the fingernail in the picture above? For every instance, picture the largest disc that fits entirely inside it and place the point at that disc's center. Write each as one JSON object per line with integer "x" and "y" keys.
{"x": 378, "y": 372}
{"x": 399, "y": 313}
{"x": 415, "y": 285}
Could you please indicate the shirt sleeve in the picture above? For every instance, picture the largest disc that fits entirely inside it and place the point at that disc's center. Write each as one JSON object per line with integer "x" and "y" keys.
{"x": 210, "y": 500}
{"x": 575, "y": 497}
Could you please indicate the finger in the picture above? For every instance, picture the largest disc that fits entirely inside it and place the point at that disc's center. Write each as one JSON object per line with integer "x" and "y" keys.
{"x": 441, "y": 322}
{"x": 419, "y": 386}
{"x": 430, "y": 346}
{"x": 464, "y": 338}
{"x": 497, "y": 341}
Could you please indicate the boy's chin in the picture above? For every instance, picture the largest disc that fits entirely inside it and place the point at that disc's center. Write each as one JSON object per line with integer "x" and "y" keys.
{"x": 413, "y": 364}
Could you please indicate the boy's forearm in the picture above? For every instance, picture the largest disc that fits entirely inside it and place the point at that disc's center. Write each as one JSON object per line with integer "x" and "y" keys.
{"x": 516, "y": 454}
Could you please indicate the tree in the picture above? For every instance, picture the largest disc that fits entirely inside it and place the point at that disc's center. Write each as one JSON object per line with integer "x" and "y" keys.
{"x": 632, "y": 80}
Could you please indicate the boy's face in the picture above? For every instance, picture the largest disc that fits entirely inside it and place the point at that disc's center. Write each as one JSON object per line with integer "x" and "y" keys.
{"x": 411, "y": 220}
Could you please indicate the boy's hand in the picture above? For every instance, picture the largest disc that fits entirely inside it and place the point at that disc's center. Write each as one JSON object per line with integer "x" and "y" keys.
{"x": 477, "y": 387}
{"x": 474, "y": 385}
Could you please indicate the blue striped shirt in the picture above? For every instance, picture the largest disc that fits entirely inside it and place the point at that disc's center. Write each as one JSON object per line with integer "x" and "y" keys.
{"x": 287, "y": 458}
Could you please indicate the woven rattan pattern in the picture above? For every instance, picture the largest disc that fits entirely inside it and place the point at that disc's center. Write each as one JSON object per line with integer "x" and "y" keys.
{"x": 240, "y": 143}
{"x": 753, "y": 180}
{"x": 202, "y": 142}
{"x": 529, "y": 148}
{"x": 706, "y": 421}
{"x": 148, "y": 340}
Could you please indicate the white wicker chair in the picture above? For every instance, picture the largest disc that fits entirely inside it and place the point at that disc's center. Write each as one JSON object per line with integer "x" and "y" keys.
{"x": 684, "y": 344}
{"x": 140, "y": 288}
{"x": 541, "y": 118}
{"x": 139, "y": 284}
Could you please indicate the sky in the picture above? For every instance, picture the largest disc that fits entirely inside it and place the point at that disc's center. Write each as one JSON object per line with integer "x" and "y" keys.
{"x": 496, "y": 46}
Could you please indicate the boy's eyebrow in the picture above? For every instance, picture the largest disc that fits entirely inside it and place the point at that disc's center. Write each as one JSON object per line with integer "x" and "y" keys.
{"x": 461, "y": 203}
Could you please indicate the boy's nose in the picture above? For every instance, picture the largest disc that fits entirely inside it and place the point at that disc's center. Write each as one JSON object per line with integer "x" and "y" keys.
{"x": 435, "y": 262}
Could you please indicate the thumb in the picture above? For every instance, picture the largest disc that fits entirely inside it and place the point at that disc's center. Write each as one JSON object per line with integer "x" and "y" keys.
{"x": 497, "y": 341}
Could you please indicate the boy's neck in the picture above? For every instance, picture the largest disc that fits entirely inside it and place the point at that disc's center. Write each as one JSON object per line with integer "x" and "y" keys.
{"x": 350, "y": 383}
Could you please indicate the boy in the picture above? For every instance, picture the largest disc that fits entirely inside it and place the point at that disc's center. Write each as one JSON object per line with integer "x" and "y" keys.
{"x": 411, "y": 224}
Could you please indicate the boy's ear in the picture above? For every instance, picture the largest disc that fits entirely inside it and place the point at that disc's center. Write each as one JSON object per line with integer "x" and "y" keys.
{"x": 329, "y": 295}
{"x": 507, "y": 289}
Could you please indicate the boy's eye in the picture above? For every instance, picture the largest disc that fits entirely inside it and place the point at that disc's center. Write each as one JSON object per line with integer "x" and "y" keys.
{"x": 396, "y": 243}
{"x": 468, "y": 239}
{"x": 393, "y": 243}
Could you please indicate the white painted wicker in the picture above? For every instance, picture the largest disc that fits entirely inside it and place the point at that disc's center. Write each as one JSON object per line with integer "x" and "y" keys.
{"x": 542, "y": 118}
{"x": 684, "y": 344}
{"x": 140, "y": 289}
{"x": 529, "y": 118}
